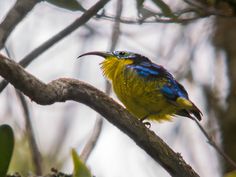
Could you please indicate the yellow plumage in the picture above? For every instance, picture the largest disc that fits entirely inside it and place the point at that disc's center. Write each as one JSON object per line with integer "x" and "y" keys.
{"x": 140, "y": 95}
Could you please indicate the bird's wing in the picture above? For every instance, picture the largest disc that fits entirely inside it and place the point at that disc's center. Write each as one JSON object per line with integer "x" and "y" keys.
{"x": 176, "y": 94}
{"x": 173, "y": 91}
{"x": 150, "y": 70}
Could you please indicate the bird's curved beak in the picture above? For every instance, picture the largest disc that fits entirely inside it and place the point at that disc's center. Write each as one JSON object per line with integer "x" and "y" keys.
{"x": 101, "y": 54}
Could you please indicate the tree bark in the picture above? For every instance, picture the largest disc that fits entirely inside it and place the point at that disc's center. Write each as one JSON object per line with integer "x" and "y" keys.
{"x": 53, "y": 40}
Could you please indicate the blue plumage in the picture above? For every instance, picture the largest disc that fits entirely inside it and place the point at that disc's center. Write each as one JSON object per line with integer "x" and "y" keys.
{"x": 171, "y": 89}
{"x": 144, "y": 71}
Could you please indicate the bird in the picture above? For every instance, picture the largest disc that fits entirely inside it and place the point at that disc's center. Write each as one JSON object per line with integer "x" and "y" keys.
{"x": 147, "y": 90}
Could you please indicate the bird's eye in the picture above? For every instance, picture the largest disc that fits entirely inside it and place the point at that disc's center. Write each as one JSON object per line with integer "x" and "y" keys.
{"x": 122, "y": 53}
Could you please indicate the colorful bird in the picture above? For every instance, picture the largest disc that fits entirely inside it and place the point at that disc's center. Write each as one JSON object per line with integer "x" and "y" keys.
{"x": 146, "y": 89}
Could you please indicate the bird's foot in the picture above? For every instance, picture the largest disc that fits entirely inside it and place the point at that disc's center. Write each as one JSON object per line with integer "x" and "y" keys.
{"x": 147, "y": 124}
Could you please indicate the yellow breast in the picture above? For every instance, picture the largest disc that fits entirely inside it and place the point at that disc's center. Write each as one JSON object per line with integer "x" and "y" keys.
{"x": 141, "y": 97}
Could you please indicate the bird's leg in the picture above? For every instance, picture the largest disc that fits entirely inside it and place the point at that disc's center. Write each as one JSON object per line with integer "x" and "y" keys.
{"x": 143, "y": 118}
{"x": 147, "y": 124}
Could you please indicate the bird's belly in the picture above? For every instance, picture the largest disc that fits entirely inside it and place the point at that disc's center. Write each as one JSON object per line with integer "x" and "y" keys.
{"x": 143, "y": 100}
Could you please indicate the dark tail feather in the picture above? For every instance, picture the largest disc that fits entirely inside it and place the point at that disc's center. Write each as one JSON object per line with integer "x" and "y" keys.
{"x": 197, "y": 114}
{"x": 187, "y": 113}
{"x": 184, "y": 113}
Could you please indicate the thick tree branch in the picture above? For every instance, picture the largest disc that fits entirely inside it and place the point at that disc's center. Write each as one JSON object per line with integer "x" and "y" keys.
{"x": 63, "y": 89}
{"x": 53, "y": 40}
{"x": 35, "y": 154}
{"x": 14, "y": 16}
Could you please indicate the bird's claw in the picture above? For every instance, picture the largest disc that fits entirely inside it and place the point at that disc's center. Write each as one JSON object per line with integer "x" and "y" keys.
{"x": 147, "y": 124}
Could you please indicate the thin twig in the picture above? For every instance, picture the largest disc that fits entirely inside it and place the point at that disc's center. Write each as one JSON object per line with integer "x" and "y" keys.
{"x": 199, "y": 10}
{"x": 216, "y": 147}
{"x": 129, "y": 20}
{"x": 99, "y": 121}
{"x": 92, "y": 140}
{"x": 36, "y": 155}
{"x": 14, "y": 16}
{"x": 116, "y": 27}
{"x": 65, "y": 32}
{"x": 193, "y": 3}
{"x": 64, "y": 128}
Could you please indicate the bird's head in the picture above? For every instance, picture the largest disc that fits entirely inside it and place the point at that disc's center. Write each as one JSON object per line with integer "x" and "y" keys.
{"x": 120, "y": 56}
{"x": 117, "y": 61}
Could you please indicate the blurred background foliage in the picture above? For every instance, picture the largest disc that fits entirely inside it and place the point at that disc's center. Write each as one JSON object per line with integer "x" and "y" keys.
{"x": 193, "y": 39}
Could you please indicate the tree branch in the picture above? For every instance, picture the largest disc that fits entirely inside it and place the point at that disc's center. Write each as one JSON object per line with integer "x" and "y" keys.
{"x": 42, "y": 48}
{"x": 14, "y": 16}
{"x": 89, "y": 146}
{"x": 153, "y": 19}
{"x": 196, "y": 11}
{"x": 35, "y": 153}
{"x": 215, "y": 146}
{"x": 63, "y": 89}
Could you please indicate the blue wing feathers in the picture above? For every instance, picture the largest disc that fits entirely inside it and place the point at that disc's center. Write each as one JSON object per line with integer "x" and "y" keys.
{"x": 172, "y": 89}
{"x": 150, "y": 70}
{"x": 168, "y": 92}
{"x": 144, "y": 71}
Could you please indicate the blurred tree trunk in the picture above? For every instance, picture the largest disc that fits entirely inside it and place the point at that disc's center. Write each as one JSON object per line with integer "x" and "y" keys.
{"x": 225, "y": 39}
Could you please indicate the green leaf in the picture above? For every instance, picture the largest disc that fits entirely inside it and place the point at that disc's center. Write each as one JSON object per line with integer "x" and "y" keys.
{"x": 164, "y": 8}
{"x": 6, "y": 148}
{"x": 67, "y": 4}
{"x": 80, "y": 169}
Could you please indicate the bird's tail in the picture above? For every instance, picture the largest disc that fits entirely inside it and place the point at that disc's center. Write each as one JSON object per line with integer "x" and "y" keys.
{"x": 189, "y": 108}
